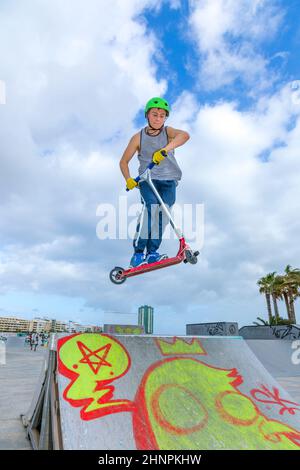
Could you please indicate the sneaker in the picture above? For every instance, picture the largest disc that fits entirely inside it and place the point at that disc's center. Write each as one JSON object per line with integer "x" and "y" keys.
{"x": 137, "y": 260}
{"x": 154, "y": 256}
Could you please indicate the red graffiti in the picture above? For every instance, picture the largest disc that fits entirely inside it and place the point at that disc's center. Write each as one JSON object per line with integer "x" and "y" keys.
{"x": 94, "y": 365}
{"x": 274, "y": 399}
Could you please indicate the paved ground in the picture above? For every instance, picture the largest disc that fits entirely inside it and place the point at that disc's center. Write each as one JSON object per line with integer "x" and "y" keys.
{"x": 18, "y": 378}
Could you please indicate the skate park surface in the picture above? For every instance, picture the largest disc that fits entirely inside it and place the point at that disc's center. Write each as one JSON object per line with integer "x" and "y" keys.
{"x": 18, "y": 381}
{"x": 279, "y": 353}
{"x": 126, "y": 392}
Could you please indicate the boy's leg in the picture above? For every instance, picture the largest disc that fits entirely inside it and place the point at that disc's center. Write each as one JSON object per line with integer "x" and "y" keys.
{"x": 167, "y": 191}
{"x": 169, "y": 198}
{"x": 143, "y": 230}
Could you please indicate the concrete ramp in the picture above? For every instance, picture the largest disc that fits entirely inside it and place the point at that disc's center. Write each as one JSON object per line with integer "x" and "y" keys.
{"x": 280, "y": 358}
{"x": 167, "y": 393}
{"x": 129, "y": 392}
{"x": 278, "y": 349}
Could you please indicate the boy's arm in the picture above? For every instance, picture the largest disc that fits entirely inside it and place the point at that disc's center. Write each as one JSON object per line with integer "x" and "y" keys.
{"x": 130, "y": 150}
{"x": 177, "y": 138}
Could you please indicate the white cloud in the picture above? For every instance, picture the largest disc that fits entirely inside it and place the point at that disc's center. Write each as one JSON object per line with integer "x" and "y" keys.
{"x": 175, "y": 4}
{"x": 76, "y": 78}
{"x": 228, "y": 35}
{"x": 249, "y": 204}
{"x": 2, "y": 92}
{"x": 78, "y": 73}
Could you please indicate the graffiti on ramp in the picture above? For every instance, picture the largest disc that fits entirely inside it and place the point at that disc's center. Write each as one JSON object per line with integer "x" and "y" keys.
{"x": 181, "y": 402}
{"x": 93, "y": 362}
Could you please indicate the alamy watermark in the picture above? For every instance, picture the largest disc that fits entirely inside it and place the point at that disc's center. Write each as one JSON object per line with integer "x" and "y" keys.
{"x": 296, "y": 353}
{"x": 122, "y": 222}
{"x": 2, "y": 92}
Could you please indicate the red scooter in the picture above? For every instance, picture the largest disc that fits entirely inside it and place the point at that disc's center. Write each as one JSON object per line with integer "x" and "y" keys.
{"x": 185, "y": 253}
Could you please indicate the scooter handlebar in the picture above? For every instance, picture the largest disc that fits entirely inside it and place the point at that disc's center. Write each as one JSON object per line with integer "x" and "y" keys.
{"x": 149, "y": 167}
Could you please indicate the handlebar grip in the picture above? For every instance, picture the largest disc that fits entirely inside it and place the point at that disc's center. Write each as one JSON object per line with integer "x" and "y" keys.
{"x": 137, "y": 179}
{"x": 150, "y": 166}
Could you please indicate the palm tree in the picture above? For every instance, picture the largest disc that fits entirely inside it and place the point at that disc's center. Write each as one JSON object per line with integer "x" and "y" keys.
{"x": 291, "y": 285}
{"x": 266, "y": 284}
{"x": 272, "y": 322}
{"x": 283, "y": 293}
{"x": 276, "y": 287}
{"x": 285, "y": 287}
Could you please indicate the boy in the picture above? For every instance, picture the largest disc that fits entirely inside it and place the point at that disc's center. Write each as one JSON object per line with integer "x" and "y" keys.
{"x": 151, "y": 143}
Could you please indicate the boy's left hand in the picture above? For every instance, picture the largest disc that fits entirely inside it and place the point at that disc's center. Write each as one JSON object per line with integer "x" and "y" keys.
{"x": 159, "y": 156}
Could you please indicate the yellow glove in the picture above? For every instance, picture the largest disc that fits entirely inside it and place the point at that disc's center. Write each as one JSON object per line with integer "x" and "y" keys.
{"x": 159, "y": 156}
{"x": 131, "y": 183}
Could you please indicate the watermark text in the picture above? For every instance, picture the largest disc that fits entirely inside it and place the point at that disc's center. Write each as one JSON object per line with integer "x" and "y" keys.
{"x": 129, "y": 222}
{"x": 2, "y": 92}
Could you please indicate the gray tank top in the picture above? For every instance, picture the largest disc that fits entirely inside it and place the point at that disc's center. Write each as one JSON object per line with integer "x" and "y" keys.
{"x": 168, "y": 169}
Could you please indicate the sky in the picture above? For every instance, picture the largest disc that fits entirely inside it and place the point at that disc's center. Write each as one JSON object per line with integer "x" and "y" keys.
{"x": 77, "y": 75}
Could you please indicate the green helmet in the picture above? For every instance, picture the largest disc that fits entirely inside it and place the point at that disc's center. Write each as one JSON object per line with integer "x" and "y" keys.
{"x": 157, "y": 103}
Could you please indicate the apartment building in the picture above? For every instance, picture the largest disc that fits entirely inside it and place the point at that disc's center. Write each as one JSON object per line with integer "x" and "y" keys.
{"x": 39, "y": 325}
{"x": 13, "y": 324}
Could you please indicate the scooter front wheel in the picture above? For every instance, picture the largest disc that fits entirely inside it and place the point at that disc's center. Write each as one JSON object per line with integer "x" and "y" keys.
{"x": 115, "y": 275}
{"x": 191, "y": 257}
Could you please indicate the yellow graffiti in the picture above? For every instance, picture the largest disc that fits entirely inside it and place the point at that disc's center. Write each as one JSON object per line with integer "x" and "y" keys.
{"x": 93, "y": 361}
{"x": 127, "y": 330}
{"x": 180, "y": 346}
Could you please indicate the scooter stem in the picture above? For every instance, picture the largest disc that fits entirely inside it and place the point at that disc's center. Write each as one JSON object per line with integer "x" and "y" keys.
{"x": 147, "y": 178}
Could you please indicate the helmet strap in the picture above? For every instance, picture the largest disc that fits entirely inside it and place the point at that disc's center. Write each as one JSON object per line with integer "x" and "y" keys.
{"x": 153, "y": 129}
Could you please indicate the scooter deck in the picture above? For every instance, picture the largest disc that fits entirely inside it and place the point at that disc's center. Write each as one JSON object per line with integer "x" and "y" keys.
{"x": 144, "y": 268}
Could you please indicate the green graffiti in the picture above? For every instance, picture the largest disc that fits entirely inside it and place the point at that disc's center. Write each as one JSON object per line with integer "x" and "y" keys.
{"x": 127, "y": 330}
{"x": 191, "y": 405}
{"x": 180, "y": 346}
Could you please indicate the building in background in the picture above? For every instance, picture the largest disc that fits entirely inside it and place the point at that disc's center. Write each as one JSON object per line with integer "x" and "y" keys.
{"x": 44, "y": 325}
{"x": 14, "y": 325}
{"x": 74, "y": 327}
{"x": 97, "y": 329}
{"x": 39, "y": 325}
{"x": 58, "y": 326}
{"x": 146, "y": 318}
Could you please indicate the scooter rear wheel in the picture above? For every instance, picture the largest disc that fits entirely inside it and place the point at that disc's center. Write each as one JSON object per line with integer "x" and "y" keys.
{"x": 115, "y": 275}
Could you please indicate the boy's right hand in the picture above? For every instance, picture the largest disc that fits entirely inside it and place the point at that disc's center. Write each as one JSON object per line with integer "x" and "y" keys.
{"x": 131, "y": 183}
